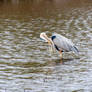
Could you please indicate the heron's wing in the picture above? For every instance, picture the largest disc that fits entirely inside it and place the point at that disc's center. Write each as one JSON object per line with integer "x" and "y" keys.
{"x": 63, "y": 43}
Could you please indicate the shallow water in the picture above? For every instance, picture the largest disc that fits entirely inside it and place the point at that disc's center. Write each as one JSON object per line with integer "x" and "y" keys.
{"x": 25, "y": 61}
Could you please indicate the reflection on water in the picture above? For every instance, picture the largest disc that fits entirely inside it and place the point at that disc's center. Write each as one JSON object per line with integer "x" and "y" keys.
{"x": 25, "y": 62}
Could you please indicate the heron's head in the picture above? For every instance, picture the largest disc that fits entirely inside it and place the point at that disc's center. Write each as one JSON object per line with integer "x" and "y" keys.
{"x": 44, "y": 37}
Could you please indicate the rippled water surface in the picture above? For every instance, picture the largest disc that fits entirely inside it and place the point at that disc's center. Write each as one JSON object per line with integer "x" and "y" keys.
{"x": 25, "y": 61}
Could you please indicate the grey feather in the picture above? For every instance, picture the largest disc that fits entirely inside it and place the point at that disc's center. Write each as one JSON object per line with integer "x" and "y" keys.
{"x": 75, "y": 50}
{"x": 63, "y": 43}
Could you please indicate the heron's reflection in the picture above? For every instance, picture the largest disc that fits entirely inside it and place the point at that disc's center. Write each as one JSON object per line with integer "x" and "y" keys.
{"x": 61, "y": 61}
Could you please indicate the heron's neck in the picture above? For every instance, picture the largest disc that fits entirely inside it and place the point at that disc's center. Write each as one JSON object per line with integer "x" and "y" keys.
{"x": 46, "y": 37}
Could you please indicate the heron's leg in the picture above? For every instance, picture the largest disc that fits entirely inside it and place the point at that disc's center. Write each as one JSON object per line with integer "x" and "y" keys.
{"x": 61, "y": 56}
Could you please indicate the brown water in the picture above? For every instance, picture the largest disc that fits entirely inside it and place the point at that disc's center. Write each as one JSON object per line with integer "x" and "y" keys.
{"x": 25, "y": 62}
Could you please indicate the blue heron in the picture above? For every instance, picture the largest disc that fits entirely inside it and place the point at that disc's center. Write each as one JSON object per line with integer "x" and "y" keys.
{"x": 59, "y": 42}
